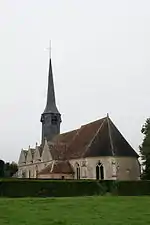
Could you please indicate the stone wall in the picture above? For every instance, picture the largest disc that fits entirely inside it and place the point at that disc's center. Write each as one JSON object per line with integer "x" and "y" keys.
{"x": 115, "y": 168}
{"x": 30, "y": 170}
{"x": 128, "y": 168}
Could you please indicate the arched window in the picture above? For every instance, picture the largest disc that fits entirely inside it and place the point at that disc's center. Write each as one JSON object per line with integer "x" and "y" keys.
{"x": 99, "y": 171}
{"x": 77, "y": 171}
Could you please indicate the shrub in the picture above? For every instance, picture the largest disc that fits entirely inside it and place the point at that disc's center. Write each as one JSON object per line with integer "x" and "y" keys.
{"x": 133, "y": 188}
{"x": 50, "y": 188}
{"x": 66, "y": 188}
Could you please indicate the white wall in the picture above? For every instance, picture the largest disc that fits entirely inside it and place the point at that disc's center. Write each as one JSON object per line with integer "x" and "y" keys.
{"x": 121, "y": 168}
{"x": 115, "y": 168}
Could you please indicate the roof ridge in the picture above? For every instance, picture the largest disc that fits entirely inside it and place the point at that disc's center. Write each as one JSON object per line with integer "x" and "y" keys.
{"x": 77, "y": 133}
{"x": 91, "y": 141}
{"x": 110, "y": 137}
{"x": 67, "y": 132}
{"x": 93, "y": 122}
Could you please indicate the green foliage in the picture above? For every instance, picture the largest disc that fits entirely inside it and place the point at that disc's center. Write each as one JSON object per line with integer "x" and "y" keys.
{"x": 2, "y": 168}
{"x": 7, "y": 169}
{"x": 133, "y": 188}
{"x": 50, "y": 188}
{"x": 10, "y": 169}
{"x": 145, "y": 150}
{"x": 62, "y": 188}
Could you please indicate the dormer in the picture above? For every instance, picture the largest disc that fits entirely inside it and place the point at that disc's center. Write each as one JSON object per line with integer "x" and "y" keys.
{"x": 23, "y": 157}
{"x": 30, "y": 155}
{"x": 46, "y": 155}
{"x": 38, "y": 153}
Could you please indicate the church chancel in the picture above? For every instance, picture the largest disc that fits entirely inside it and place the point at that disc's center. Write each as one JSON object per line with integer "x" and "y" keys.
{"x": 96, "y": 150}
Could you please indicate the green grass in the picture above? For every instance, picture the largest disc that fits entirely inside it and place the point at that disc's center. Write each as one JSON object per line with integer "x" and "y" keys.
{"x": 75, "y": 211}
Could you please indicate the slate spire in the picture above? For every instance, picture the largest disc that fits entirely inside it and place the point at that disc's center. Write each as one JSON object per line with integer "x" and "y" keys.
{"x": 51, "y": 103}
{"x": 50, "y": 118}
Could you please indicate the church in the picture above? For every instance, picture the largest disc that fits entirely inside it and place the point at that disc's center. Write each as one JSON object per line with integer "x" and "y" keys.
{"x": 96, "y": 150}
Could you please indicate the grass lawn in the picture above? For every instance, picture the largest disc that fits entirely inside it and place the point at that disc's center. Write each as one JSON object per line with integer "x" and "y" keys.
{"x": 75, "y": 211}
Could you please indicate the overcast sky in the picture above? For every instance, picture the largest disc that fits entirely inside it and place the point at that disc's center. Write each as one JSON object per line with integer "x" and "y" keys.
{"x": 101, "y": 64}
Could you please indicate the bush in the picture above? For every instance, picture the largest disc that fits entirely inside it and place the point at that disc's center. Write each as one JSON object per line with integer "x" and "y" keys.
{"x": 50, "y": 188}
{"x": 66, "y": 188}
{"x": 133, "y": 188}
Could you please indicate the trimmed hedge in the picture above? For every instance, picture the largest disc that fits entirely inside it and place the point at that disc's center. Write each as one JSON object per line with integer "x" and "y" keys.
{"x": 66, "y": 188}
{"x": 133, "y": 188}
{"x": 50, "y": 188}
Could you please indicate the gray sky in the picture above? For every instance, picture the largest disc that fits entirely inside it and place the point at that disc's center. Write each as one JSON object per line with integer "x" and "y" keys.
{"x": 101, "y": 63}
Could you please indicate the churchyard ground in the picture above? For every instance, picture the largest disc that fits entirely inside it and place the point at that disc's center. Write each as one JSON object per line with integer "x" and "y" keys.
{"x": 105, "y": 210}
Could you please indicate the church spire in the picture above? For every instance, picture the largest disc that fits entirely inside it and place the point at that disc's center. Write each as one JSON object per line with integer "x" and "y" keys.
{"x": 51, "y": 103}
{"x": 51, "y": 117}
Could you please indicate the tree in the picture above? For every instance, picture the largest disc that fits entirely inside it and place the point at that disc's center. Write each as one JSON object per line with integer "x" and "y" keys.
{"x": 10, "y": 169}
{"x": 13, "y": 168}
{"x": 2, "y": 168}
{"x": 145, "y": 150}
{"x": 7, "y": 169}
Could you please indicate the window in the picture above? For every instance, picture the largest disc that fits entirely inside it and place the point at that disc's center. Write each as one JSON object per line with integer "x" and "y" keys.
{"x": 99, "y": 171}
{"x": 77, "y": 171}
{"x": 54, "y": 119}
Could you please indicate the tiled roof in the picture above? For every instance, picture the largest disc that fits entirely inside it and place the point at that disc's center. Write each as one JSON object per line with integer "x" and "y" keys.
{"x": 99, "y": 138}
{"x": 65, "y": 138}
{"x": 82, "y": 139}
{"x": 109, "y": 142}
{"x": 58, "y": 150}
{"x": 47, "y": 169}
{"x": 62, "y": 167}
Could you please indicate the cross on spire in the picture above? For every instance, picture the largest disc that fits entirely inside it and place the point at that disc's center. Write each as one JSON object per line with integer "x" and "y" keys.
{"x": 49, "y": 49}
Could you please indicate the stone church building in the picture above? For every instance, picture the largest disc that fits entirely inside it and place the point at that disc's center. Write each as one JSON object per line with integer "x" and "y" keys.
{"x": 96, "y": 150}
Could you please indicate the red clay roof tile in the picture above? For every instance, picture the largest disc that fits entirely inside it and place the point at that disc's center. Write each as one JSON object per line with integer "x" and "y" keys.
{"x": 99, "y": 138}
{"x": 62, "y": 167}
